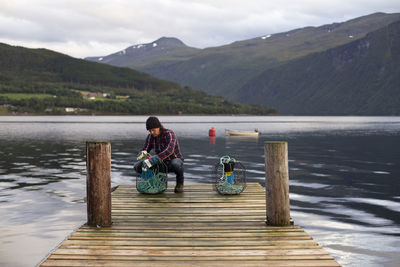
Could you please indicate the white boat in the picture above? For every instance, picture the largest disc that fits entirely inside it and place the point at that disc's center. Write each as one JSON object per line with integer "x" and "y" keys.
{"x": 242, "y": 133}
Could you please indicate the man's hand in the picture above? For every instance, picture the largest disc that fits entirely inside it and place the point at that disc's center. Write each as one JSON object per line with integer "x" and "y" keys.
{"x": 142, "y": 154}
{"x": 152, "y": 161}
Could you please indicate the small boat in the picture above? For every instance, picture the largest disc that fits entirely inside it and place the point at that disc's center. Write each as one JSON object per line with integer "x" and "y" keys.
{"x": 242, "y": 133}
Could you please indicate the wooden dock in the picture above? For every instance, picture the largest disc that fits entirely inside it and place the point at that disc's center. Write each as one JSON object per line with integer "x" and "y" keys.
{"x": 196, "y": 228}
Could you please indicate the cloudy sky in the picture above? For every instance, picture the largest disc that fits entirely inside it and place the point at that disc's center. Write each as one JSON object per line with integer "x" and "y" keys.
{"x": 83, "y": 28}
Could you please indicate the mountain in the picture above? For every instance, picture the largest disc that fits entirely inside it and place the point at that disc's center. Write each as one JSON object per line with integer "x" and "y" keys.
{"x": 359, "y": 78}
{"x": 40, "y": 80}
{"x": 163, "y": 49}
{"x": 226, "y": 69}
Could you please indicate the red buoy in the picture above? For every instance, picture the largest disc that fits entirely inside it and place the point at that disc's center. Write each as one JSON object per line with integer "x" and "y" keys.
{"x": 211, "y": 132}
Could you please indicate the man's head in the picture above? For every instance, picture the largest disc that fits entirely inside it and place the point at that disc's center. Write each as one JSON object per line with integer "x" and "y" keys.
{"x": 154, "y": 126}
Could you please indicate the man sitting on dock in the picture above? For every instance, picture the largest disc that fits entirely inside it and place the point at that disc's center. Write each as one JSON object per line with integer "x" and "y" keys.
{"x": 166, "y": 147}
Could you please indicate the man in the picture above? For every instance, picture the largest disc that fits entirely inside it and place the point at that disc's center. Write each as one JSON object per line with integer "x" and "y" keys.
{"x": 166, "y": 147}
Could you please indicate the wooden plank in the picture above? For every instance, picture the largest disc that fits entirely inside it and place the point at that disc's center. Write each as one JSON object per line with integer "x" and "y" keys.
{"x": 188, "y": 253}
{"x": 192, "y": 235}
{"x": 189, "y": 258}
{"x": 191, "y": 248}
{"x": 183, "y": 239}
{"x": 188, "y": 211}
{"x": 184, "y": 206}
{"x": 196, "y": 228}
{"x": 198, "y": 263}
{"x": 189, "y": 242}
{"x": 189, "y": 227}
{"x": 187, "y": 230}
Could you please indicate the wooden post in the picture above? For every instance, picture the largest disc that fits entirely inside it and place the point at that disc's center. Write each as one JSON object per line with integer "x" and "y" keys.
{"x": 277, "y": 183}
{"x": 98, "y": 183}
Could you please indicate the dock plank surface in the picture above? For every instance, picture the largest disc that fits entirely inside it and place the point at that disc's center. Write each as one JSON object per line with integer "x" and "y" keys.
{"x": 196, "y": 228}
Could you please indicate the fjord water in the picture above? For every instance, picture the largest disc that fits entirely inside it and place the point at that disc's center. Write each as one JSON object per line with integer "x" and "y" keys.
{"x": 344, "y": 176}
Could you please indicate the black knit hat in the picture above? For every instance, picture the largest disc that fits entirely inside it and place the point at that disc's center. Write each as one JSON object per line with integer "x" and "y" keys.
{"x": 152, "y": 122}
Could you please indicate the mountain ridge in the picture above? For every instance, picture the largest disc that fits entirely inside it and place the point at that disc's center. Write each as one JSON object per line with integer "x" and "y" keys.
{"x": 160, "y": 49}
{"x": 227, "y": 69}
{"x": 358, "y": 78}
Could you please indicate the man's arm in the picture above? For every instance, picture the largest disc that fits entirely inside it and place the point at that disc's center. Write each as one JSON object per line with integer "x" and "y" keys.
{"x": 148, "y": 145}
{"x": 170, "y": 148}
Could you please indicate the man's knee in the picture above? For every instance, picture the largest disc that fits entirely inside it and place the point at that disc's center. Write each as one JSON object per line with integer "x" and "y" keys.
{"x": 177, "y": 164}
{"x": 138, "y": 166}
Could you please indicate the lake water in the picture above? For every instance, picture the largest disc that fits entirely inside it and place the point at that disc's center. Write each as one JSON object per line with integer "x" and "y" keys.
{"x": 344, "y": 176}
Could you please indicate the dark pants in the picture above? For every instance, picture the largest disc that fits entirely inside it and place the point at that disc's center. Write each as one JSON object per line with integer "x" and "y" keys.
{"x": 175, "y": 165}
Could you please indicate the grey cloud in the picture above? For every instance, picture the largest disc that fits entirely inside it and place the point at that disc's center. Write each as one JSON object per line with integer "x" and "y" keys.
{"x": 97, "y": 26}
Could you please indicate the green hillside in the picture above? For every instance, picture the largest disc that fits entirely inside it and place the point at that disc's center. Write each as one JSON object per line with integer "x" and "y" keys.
{"x": 42, "y": 81}
{"x": 359, "y": 78}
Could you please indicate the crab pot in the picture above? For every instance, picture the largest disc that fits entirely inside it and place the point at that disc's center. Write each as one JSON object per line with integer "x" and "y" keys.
{"x": 230, "y": 178}
{"x": 152, "y": 180}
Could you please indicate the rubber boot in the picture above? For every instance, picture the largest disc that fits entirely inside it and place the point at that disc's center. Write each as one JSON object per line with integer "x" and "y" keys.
{"x": 179, "y": 186}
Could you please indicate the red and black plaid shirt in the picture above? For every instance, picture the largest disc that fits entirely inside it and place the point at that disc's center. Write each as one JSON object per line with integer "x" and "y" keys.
{"x": 165, "y": 145}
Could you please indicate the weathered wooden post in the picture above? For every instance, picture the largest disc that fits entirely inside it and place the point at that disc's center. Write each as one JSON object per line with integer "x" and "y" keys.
{"x": 277, "y": 183}
{"x": 98, "y": 183}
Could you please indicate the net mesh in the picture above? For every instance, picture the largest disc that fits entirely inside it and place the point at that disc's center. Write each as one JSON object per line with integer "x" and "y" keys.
{"x": 153, "y": 180}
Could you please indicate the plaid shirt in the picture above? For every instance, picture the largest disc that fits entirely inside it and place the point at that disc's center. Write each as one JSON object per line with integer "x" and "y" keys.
{"x": 166, "y": 145}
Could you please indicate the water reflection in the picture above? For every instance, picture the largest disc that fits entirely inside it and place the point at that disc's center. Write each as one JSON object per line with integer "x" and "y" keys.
{"x": 343, "y": 175}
